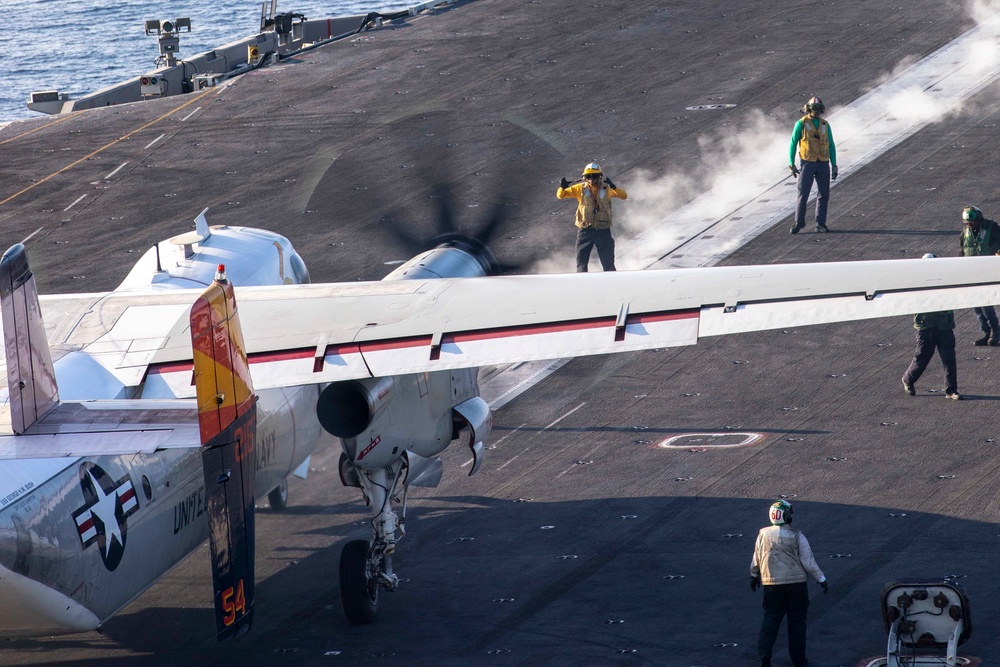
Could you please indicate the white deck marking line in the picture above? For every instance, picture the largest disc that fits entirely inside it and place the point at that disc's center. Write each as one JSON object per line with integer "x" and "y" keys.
{"x": 518, "y": 378}
{"x": 103, "y": 148}
{"x": 120, "y": 167}
{"x": 588, "y": 454}
{"x": 191, "y": 114}
{"x": 940, "y": 83}
{"x": 25, "y": 239}
{"x": 944, "y": 78}
{"x": 543, "y": 431}
{"x": 150, "y": 144}
{"x": 469, "y": 462}
{"x": 78, "y": 200}
{"x": 559, "y": 420}
{"x": 516, "y": 457}
{"x": 563, "y": 417}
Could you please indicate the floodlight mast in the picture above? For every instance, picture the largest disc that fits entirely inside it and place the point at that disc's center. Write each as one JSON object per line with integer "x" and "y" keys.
{"x": 169, "y": 39}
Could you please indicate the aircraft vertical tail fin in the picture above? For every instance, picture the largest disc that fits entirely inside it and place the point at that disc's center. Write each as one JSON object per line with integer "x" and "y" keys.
{"x": 227, "y": 416}
{"x": 31, "y": 376}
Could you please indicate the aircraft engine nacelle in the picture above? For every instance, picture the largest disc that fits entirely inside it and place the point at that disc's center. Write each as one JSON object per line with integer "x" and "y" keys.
{"x": 346, "y": 409}
{"x": 456, "y": 256}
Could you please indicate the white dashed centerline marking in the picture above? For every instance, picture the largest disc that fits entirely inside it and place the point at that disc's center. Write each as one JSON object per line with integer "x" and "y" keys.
{"x": 78, "y": 200}
{"x": 150, "y": 144}
{"x": 191, "y": 114}
{"x": 942, "y": 80}
{"x": 120, "y": 167}
{"x": 543, "y": 430}
{"x": 564, "y": 417}
{"x": 25, "y": 239}
{"x": 471, "y": 461}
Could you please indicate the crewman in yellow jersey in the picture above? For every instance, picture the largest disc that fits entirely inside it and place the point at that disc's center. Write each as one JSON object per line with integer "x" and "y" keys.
{"x": 593, "y": 215}
{"x": 812, "y": 138}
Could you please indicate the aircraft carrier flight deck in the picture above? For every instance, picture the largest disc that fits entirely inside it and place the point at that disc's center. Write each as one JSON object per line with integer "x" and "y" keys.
{"x": 604, "y": 528}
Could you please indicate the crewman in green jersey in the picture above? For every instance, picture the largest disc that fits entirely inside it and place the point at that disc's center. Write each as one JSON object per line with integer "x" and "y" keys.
{"x": 812, "y": 138}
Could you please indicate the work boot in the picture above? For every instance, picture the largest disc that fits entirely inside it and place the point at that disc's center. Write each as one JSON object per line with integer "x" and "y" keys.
{"x": 795, "y": 228}
{"x": 822, "y": 228}
{"x": 909, "y": 388}
{"x": 985, "y": 340}
{"x": 995, "y": 338}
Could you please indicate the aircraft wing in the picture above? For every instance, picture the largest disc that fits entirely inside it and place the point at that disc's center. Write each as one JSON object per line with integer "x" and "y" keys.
{"x": 105, "y": 428}
{"x": 304, "y": 334}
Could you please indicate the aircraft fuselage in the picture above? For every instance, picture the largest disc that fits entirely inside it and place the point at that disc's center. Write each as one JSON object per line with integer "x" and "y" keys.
{"x": 97, "y": 531}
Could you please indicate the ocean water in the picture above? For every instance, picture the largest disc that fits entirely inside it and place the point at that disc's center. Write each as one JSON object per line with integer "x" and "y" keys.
{"x": 81, "y": 46}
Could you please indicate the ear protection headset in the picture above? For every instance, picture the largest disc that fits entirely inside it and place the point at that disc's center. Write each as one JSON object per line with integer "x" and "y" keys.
{"x": 971, "y": 214}
{"x": 814, "y": 104}
{"x": 781, "y": 513}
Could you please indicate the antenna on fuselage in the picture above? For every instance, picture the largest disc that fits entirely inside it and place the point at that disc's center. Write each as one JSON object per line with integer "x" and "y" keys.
{"x": 188, "y": 239}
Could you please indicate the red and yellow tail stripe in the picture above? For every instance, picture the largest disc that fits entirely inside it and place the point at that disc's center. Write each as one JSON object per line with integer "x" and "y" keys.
{"x": 221, "y": 371}
{"x": 227, "y": 417}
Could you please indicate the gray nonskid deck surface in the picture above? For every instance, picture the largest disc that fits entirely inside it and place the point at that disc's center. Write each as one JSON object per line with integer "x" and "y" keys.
{"x": 590, "y": 545}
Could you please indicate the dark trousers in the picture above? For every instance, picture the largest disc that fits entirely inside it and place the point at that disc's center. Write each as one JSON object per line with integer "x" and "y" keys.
{"x": 987, "y": 316}
{"x": 782, "y": 600}
{"x": 586, "y": 239}
{"x": 927, "y": 341}
{"x": 820, "y": 173}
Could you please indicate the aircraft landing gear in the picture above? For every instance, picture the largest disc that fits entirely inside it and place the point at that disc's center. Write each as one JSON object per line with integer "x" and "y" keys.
{"x": 359, "y": 582}
{"x": 278, "y": 499}
{"x": 366, "y": 567}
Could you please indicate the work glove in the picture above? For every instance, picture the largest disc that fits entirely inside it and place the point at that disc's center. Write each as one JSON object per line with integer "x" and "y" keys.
{"x": 754, "y": 583}
{"x": 792, "y": 168}
{"x": 834, "y": 173}
{"x": 824, "y": 586}
{"x": 563, "y": 183}
{"x": 608, "y": 181}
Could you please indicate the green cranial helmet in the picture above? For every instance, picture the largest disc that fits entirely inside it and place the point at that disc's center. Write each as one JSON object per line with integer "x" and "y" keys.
{"x": 971, "y": 215}
{"x": 781, "y": 513}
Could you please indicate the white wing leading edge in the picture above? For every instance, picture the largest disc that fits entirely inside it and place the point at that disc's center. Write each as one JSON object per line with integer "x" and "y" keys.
{"x": 304, "y": 334}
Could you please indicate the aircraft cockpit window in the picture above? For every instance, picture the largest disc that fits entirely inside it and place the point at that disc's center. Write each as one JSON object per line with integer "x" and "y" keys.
{"x": 299, "y": 269}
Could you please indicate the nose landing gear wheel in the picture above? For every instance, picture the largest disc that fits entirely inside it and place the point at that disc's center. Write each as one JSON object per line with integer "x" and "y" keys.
{"x": 358, "y": 584}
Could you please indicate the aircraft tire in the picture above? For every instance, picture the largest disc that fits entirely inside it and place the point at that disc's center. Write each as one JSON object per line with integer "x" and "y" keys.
{"x": 278, "y": 499}
{"x": 358, "y": 594}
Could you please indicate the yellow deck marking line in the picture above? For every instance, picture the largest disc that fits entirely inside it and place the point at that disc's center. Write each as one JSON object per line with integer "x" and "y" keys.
{"x": 41, "y": 127}
{"x": 105, "y": 147}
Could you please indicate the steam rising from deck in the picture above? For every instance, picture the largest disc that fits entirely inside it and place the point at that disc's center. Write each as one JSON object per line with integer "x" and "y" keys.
{"x": 747, "y": 159}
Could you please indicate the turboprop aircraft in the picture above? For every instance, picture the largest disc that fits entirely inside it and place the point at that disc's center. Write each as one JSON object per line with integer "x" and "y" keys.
{"x": 134, "y": 414}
